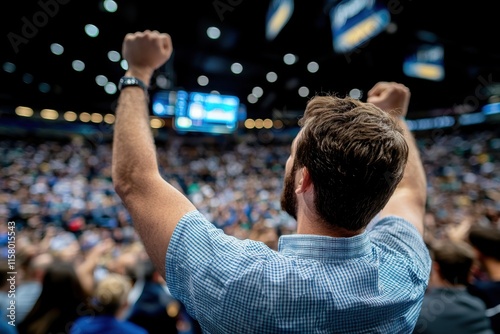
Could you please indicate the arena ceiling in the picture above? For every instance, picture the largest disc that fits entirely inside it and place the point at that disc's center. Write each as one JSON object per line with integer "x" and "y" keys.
{"x": 468, "y": 32}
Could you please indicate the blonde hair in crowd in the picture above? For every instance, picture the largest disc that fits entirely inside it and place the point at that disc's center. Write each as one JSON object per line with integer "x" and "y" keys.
{"x": 111, "y": 293}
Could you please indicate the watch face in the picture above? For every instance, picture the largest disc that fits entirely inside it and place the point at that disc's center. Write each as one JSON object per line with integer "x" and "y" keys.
{"x": 131, "y": 81}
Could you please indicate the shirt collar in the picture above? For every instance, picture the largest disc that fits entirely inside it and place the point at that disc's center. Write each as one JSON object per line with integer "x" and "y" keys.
{"x": 322, "y": 247}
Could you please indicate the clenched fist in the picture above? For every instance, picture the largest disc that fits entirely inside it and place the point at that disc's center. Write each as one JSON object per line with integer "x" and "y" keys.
{"x": 145, "y": 52}
{"x": 391, "y": 97}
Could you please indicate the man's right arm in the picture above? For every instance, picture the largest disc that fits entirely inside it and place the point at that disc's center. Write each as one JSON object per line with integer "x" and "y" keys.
{"x": 409, "y": 198}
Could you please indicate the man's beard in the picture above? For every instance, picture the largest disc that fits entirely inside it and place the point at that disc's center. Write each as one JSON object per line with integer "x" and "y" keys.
{"x": 288, "y": 196}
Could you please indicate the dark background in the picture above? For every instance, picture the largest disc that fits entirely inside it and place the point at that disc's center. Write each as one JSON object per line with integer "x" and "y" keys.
{"x": 468, "y": 31}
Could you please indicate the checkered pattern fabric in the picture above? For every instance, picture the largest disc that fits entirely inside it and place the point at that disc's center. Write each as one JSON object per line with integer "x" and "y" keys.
{"x": 369, "y": 283}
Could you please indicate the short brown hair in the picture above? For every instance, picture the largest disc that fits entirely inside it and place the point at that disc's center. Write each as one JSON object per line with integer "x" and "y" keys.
{"x": 486, "y": 240}
{"x": 455, "y": 259}
{"x": 356, "y": 155}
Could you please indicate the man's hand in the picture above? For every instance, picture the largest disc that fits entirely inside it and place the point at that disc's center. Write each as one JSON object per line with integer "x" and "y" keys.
{"x": 145, "y": 52}
{"x": 391, "y": 97}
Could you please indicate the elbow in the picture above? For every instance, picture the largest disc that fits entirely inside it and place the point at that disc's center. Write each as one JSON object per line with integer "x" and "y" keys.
{"x": 131, "y": 183}
{"x": 122, "y": 187}
{"x": 122, "y": 183}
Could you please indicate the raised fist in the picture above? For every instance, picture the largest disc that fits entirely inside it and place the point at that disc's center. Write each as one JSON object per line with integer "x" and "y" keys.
{"x": 391, "y": 97}
{"x": 145, "y": 52}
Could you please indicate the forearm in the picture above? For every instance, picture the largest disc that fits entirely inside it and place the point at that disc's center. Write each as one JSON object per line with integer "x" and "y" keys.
{"x": 134, "y": 152}
{"x": 414, "y": 178}
{"x": 85, "y": 273}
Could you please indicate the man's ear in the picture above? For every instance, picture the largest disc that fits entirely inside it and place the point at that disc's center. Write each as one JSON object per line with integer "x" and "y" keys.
{"x": 305, "y": 181}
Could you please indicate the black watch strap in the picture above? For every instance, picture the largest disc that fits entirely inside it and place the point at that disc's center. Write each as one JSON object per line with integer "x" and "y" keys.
{"x": 131, "y": 81}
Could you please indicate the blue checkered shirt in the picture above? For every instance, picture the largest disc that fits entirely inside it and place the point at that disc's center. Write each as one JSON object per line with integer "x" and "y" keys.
{"x": 370, "y": 283}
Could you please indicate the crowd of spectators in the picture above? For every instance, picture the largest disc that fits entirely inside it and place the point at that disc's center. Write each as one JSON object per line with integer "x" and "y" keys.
{"x": 463, "y": 175}
{"x": 60, "y": 195}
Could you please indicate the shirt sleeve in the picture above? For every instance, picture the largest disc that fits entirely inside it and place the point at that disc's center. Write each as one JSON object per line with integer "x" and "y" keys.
{"x": 203, "y": 265}
{"x": 398, "y": 236}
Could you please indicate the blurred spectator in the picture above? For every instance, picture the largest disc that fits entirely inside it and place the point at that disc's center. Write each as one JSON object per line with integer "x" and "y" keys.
{"x": 87, "y": 267}
{"x": 486, "y": 242}
{"x": 49, "y": 187}
{"x": 30, "y": 287}
{"x": 447, "y": 306}
{"x": 155, "y": 309}
{"x": 109, "y": 301}
{"x": 61, "y": 302}
{"x": 265, "y": 233}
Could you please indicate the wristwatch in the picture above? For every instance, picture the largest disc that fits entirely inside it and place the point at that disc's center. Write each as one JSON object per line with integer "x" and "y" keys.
{"x": 132, "y": 81}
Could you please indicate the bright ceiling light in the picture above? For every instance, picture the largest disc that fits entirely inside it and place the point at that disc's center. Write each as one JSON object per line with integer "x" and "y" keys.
{"x": 271, "y": 76}
{"x": 355, "y": 93}
{"x": 56, "y": 49}
{"x": 249, "y": 123}
{"x": 303, "y": 91}
{"x": 109, "y": 118}
{"x": 101, "y": 80}
{"x": 202, "y": 80}
{"x": 24, "y": 111}
{"x": 257, "y": 91}
{"x": 9, "y": 67}
{"x": 49, "y": 114}
{"x": 78, "y": 65}
{"x": 85, "y": 117}
{"x": 114, "y": 56}
{"x": 96, "y": 118}
{"x": 236, "y": 68}
{"x": 252, "y": 98}
{"x": 213, "y": 32}
{"x": 110, "y": 88}
{"x": 268, "y": 123}
{"x": 259, "y": 123}
{"x": 91, "y": 30}
{"x": 157, "y": 123}
{"x": 70, "y": 116}
{"x": 313, "y": 67}
{"x": 110, "y": 6}
{"x": 289, "y": 59}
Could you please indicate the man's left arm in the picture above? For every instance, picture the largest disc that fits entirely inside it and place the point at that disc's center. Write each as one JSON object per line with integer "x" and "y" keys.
{"x": 409, "y": 198}
{"x": 155, "y": 206}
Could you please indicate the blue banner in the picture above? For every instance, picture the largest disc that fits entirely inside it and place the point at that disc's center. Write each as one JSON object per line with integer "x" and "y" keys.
{"x": 354, "y": 22}
{"x": 426, "y": 63}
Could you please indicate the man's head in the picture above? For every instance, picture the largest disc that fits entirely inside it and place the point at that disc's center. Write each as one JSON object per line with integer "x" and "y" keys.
{"x": 452, "y": 261}
{"x": 111, "y": 293}
{"x": 38, "y": 266}
{"x": 486, "y": 242}
{"x": 355, "y": 155}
